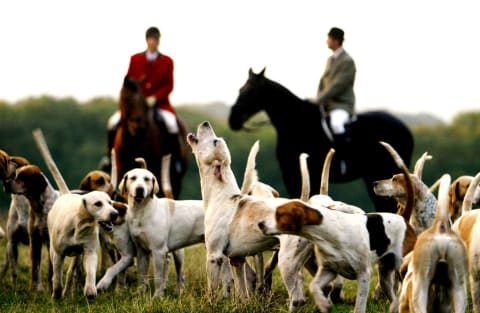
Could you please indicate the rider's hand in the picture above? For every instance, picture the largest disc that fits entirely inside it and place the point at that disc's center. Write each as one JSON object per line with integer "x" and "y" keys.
{"x": 151, "y": 100}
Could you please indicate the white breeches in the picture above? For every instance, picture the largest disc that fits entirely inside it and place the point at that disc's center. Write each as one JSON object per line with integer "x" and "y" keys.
{"x": 169, "y": 118}
{"x": 338, "y": 119}
{"x": 170, "y": 121}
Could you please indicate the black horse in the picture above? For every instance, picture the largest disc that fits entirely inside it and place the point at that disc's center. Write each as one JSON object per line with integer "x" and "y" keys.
{"x": 299, "y": 129}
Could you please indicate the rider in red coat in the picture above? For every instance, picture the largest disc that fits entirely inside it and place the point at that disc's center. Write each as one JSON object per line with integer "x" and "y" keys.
{"x": 154, "y": 71}
{"x": 155, "y": 77}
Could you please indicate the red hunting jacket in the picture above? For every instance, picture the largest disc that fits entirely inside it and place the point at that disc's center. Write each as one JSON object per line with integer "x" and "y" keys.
{"x": 156, "y": 78}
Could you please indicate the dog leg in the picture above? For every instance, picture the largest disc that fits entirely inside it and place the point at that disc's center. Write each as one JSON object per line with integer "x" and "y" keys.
{"x": 475, "y": 290}
{"x": 386, "y": 270}
{"x": 259, "y": 271}
{"x": 269, "y": 268}
{"x": 35, "y": 257}
{"x": 227, "y": 278}
{"x": 321, "y": 279}
{"x": 143, "y": 258}
{"x": 420, "y": 286}
{"x": 363, "y": 285}
{"x": 238, "y": 269}
{"x": 178, "y": 258}
{"x": 214, "y": 263}
{"x": 91, "y": 260}
{"x": 69, "y": 283}
{"x": 57, "y": 261}
{"x": 160, "y": 257}
{"x": 293, "y": 253}
{"x": 122, "y": 264}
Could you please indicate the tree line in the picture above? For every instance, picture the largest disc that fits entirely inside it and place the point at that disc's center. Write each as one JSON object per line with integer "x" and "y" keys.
{"x": 76, "y": 135}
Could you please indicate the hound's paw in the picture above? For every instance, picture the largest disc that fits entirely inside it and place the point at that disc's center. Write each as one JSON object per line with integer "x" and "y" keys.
{"x": 90, "y": 292}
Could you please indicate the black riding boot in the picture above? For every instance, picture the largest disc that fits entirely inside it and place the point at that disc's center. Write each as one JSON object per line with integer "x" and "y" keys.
{"x": 175, "y": 150}
{"x": 341, "y": 143}
{"x": 105, "y": 163}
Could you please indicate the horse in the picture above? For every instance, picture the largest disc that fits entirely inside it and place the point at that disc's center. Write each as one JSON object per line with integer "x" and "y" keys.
{"x": 140, "y": 135}
{"x": 300, "y": 127}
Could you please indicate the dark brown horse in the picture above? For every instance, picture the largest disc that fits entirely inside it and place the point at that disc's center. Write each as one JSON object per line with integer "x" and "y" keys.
{"x": 140, "y": 135}
{"x": 299, "y": 129}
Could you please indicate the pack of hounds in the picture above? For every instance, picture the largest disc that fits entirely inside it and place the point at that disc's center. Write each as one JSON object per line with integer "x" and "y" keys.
{"x": 427, "y": 254}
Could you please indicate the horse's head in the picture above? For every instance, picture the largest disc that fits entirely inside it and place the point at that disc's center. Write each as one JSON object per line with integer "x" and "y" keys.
{"x": 133, "y": 108}
{"x": 249, "y": 101}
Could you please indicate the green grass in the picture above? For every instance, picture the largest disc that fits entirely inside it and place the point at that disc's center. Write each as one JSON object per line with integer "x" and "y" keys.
{"x": 131, "y": 300}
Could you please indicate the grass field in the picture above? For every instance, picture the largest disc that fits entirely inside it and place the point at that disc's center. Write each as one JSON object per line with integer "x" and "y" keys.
{"x": 131, "y": 300}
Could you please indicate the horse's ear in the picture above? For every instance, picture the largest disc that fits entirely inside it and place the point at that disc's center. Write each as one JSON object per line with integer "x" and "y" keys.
{"x": 250, "y": 72}
{"x": 262, "y": 72}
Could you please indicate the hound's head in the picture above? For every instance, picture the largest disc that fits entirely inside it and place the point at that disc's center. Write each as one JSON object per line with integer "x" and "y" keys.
{"x": 396, "y": 187}
{"x": 29, "y": 180}
{"x": 211, "y": 152}
{"x": 97, "y": 180}
{"x": 99, "y": 206}
{"x": 138, "y": 185}
{"x": 457, "y": 192}
{"x": 290, "y": 217}
{"x": 7, "y": 167}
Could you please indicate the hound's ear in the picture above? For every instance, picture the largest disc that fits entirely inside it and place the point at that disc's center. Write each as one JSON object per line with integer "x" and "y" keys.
{"x": 312, "y": 216}
{"x": 120, "y": 207}
{"x": 156, "y": 187}
{"x": 291, "y": 216}
{"x": 85, "y": 183}
{"x": 122, "y": 187}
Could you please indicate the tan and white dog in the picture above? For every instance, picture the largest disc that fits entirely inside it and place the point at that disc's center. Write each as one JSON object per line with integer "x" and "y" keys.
{"x": 230, "y": 217}
{"x": 345, "y": 244}
{"x": 73, "y": 226}
{"x": 468, "y": 227}
{"x": 436, "y": 277}
{"x": 159, "y": 225}
{"x": 395, "y": 187}
{"x": 457, "y": 192}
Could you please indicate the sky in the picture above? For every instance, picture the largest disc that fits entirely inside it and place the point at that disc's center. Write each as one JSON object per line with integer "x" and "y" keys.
{"x": 412, "y": 56}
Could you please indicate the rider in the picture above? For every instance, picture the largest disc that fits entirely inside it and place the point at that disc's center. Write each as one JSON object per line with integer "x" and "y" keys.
{"x": 154, "y": 71}
{"x": 335, "y": 94}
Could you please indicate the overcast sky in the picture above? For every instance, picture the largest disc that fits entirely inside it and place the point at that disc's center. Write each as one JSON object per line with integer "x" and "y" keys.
{"x": 411, "y": 56}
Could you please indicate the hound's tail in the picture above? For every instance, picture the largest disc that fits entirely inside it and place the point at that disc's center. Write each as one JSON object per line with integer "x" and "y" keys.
{"x": 47, "y": 157}
{"x": 418, "y": 169}
{"x": 326, "y": 172}
{"x": 305, "y": 194}
{"x": 468, "y": 199}
{"x": 406, "y": 212}
{"x": 250, "y": 177}
{"x": 442, "y": 220}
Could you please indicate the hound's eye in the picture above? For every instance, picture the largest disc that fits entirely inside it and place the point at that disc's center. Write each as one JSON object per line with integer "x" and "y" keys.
{"x": 98, "y": 203}
{"x": 101, "y": 181}
{"x": 147, "y": 179}
{"x": 133, "y": 178}
{"x": 215, "y": 141}
{"x": 394, "y": 179}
